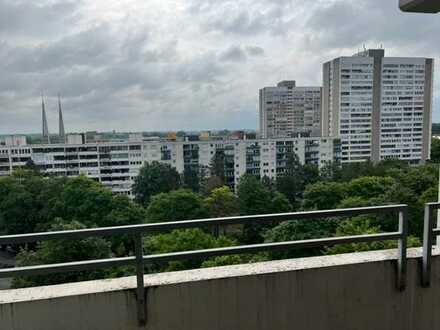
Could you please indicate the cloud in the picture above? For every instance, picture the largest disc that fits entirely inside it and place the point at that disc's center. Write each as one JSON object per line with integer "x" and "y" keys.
{"x": 36, "y": 18}
{"x": 233, "y": 54}
{"x": 196, "y": 64}
{"x": 254, "y": 51}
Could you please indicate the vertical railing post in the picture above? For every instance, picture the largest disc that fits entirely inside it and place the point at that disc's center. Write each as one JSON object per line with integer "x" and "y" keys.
{"x": 427, "y": 245}
{"x": 140, "y": 291}
{"x": 401, "y": 262}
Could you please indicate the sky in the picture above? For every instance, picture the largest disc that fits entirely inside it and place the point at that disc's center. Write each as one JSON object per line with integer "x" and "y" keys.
{"x": 136, "y": 65}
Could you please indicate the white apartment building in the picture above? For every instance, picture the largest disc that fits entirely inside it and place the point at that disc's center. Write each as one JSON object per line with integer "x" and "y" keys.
{"x": 287, "y": 110}
{"x": 116, "y": 164}
{"x": 380, "y": 107}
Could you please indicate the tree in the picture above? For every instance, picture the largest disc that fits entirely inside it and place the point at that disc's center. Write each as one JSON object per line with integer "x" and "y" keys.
{"x": 30, "y": 165}
{"x": 191, "y": 178}
{"x": 185, "y": 240}
{"x": 269, "y": 183}
{"x": 60, "y": 251}
{"x": 176, "y": 205}
{"x": 211, "y": 183}
{"x": 31, "y": 203}
{"x": 222, "y": 203}
{"x": 299, "y": 230}
{"x": 361, "y": 226}
{"x": 155, "y": 178}
{"x": 324, "y": 195}
{"x": 253, "y": 196}
{"x": 217, "y": 165}
{"x": 82, "y": 200}
{"x": 330, "y": 171}
{"x": 311, "y": 174}
{"x": 23, "y": 201}
{"x": 280, "y": 203}
{"x": 435, "y": 150}
{"x": 291, "y": 182}
{"x": 369, "y": 186}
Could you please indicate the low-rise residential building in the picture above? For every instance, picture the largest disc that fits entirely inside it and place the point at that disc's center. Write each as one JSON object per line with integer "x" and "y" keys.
{"x": 116, "y": 164}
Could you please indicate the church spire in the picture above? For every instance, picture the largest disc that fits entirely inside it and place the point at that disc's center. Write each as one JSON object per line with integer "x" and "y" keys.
{"x": 46, "y": 136}
{"x": 62, "y": 133}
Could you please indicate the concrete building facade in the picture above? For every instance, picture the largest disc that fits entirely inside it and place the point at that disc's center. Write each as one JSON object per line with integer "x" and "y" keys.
{"x": 116, "y": 164}
{"x": 288, "y": 110}
{"x": 380, "y": 107}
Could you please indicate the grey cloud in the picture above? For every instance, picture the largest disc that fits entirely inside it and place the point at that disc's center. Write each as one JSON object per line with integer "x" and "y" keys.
{"x": 90, "y": 47}
{"x": 245, "y": 17}
{"x": 36, "y": 18}
{"x": 233, "y": 54}
{"x": 351, "y": 23}
{"x": 254, "y": 50}
{"x": 200, "y": 67}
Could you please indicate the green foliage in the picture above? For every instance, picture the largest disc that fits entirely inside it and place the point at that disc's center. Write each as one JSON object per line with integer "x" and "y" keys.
{"x": 191, "y": 178}
{"x": 292, "y": 182}
{"x": 24, "y": 200}
{"x": 280, "y": 203}
{"x": 369, "y": 186}
{"x": 176, "y": 205}
{"x": 435, "y": 150}
{"x": 253, "y": 196}
{"x": 362, "y": 226}
{"x": 296, "y": 230}
{"x": 430, "y": 195}
{"x": 211, "y": 183}
{"x": 324, "y": 195}
{"x": 184, "y": 240}
{"x": 224, "y": 261}
{"x": 330, "y": 171}
{"x": 52, "y": 252}
{"x": 155, "y": 178}
{"x": 310, "y": 174}
{"x": 217, "y": 165}
{"x": 222, "y": 203}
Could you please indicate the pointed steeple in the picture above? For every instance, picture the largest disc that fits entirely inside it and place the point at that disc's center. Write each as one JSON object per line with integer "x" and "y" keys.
{"x": 46, "y": 136}
{"x": 62, "y": 133}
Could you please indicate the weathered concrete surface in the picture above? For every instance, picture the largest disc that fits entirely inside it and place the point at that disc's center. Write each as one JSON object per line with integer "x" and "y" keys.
{"x": 344, "y": 292}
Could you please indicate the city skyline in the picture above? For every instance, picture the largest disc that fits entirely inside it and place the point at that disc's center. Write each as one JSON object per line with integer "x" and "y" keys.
{"x": 117, "y": 68}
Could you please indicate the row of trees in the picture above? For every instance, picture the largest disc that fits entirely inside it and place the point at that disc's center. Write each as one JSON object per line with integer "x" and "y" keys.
{"x": 31, "y": 202}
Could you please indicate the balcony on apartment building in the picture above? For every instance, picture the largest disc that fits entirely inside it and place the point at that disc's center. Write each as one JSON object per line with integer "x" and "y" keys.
{"x": 386, "y": 289}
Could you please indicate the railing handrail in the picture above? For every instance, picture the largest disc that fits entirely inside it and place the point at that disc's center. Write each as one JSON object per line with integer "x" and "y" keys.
{"x": 139, "y": 259}
{"x": 185, "y": 224}
{"x": 429, "y": 231}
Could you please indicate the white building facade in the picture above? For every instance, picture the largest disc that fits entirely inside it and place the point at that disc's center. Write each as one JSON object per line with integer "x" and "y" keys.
{"x": 380, "y": 107}
{"x": 287, "y": 110}
{"x": 116, "y": 164}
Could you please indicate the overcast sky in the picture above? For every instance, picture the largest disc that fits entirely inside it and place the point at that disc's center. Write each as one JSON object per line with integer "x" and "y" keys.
{"x": 134, "y": 65}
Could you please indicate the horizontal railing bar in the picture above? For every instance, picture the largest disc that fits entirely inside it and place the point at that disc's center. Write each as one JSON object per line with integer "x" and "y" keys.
{"x": 66, "y": 267}
{"x": 114, "y": 262}
{"x": 436, "y": 231}
{"x": 434, "y": 204}
{"x": 271, "y": 247}
{"x": 165, "y": 226}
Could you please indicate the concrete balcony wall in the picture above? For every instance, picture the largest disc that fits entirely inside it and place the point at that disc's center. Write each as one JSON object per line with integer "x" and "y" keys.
{"x": 344, "y": 292}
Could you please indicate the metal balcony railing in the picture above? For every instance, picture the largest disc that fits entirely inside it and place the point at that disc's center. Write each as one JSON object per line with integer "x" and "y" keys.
{"x": 139, "y": 259}
{"x": 429, "y": 231}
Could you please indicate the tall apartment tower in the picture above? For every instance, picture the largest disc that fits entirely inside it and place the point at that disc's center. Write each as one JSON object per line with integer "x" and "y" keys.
{"x": 287, "y": 110}
{"x": 380, "y": 107}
